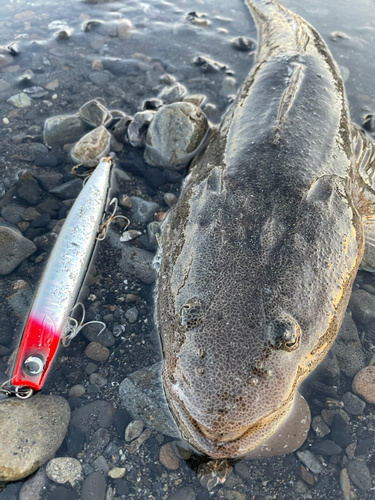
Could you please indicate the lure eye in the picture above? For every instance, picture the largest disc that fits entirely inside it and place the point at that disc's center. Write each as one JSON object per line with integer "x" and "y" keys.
{"x": 284, "y": 333}
{"x": 33, "y": 366}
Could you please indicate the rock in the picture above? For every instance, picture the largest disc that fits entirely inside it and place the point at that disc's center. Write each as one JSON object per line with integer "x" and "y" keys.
{"x": 185, "y": 493}
{"x": 14, "y": 249}
{"x": 6, "y": 331}
{"x": 339, "y": 433}
{"x": 320, "y": 427}
{"x": 98, "y": 380}
{"x": 28, "y": 188}
{"x": 196, "y": 99}
{"x": 362, "y": 305}
{"x": 46, "y": 241}
{"x": 133, "y": 430}
{"x": 91, "y": 332}
{"x": 33, "y": 487}
{"x": 348, "y": 348}
{"x": 68, "y": 190}
{"x": 364, "y": 384}
{"x": 125, "y": 201}
{"x": 139, "y": 263}
{"x": 359, "y": 474}
{"x": 31, "y": 430}
{"x": 95, "y": 114}
{"x": 121, "y": 127}
{"x": 176, "y": 131}
{"x": 155, "y": 177}
{"x": 152, "y": 104}
{"x": 13, "y": 213}
{"x": 77, "y": 391}
{"x": 117, "y": 472}
{"x": 46, "y": 160}
{"x": 143, "y": 396}
{"x": 228, "y": 86}
{"x": 63, "y": 129}
{"x": 242, "y": 43}
{"x": 132, "y": 314}
{"x": 41, "y": 221}
{"x": 364, "y": 445}
{"x": 326, "y": 447}
{"x": 20, "y": 302}
{"x": 168, "y": 457}
{"x": 136, "y": 444}
{"x": 21, "y": 100}
{"x": 74, "y": 440}
{"x": 96, "y": 352}
{"x": 170, "y": 199}
{"x": 101, "y": 464}
{"x": 99, "y": 441}
{"x": 310, "y": 460}
{"x": 4, "y": 86}
{"x": 63, "y": 470}
{"x": 172, "y": 93}
{"x": 93, "y": 416}
{"x": 94, "y": 487}
{"x": 353, "y": 404}
{"x": 125, "y": 28}
{"x": 129, "y": 235}
{"x": 100, "y": 79}
{"x": 137, "y": 128}
{"x": 92, "y": 147}
{"x": 167, "y": 79}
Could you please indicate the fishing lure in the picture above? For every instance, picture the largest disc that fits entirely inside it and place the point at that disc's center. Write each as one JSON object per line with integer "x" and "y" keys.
{"x": 49, "y": 320}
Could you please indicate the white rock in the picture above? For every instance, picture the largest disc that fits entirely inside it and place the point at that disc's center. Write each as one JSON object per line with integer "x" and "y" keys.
{"x": 63, "y": 470}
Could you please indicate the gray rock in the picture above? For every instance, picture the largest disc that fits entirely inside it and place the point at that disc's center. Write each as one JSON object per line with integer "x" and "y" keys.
{"x": 20, "y": 302}
{"x": 68, "y": 190}
{"x": 6, "y": 331}
{"x": 142, "y": 210}
{"x": 98, "y": 380}
{"x": 63, "y": 470}
{"x": 139, "y": 263}
{"x": 99, "y": 441}
{"x": 320, "y": 427}
{"x": 32, "y": 489}
{"x": 100, "y": 78}
{"x": 21, "y": 100}
{"x": 143, "y": 396}
{"x": 49, "y": 180}
{"x": 348, "y": 348}
{"x": 28, "y": 188}
{"x": 362, "y": 305}
{"x": 37, "y": 426}
{"x": 94, "y": 487}
{"x": 185, "y": 493}
{"x": 359, "y": 474}
{"x": 242, "y": 43}
{"x": 92, "y": 416}
{"x": 60, "y": 130}
{"x": 174, "y": 135}
{"x": 13, "y": 213}
{"x": 172, "y": 93}
{"x": 326, "y": 448}
{"x": 77, "y": 391}
{"x": 152, "y": 230}
{"x": 137, "y": 128}
{"x": 133, "y": 430}
{"x": 170, "y": 199}
{"x": 46, "y": 241}
{"x": 228, "y": 87}
{"x": 310, "y": 460}
{"x": 101, "y": 464}
{"x": 92, "y": 147}
{"x": 14, "y": 248}
{"x": 105, "y": 338}
{"x": 95, "y": 114}
{"x": 132, "y": 314}
{"x": 353, "y": 404}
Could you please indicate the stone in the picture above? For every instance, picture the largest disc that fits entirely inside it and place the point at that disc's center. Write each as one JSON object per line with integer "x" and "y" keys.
{"x": 77, "y": 391}
{"x": 33, "y": 487}
{"x": 20, "y": 302}
{"x": 21, "y": 100}
{"x": 63, "y": 470}
{"x": 362, "y": 305}
{"x": 74, "y": 440}
{"x": 98, "y": 380}
{"x": 28, "y": 188}
{"x": 152, "y": 104}
{"x": 121, "y": 127}
{"x": 153, "y": 229}
{"x": 96, "y": 352}
{"x": 170, "y": 199}
{"x": 46, "y": 241}
{"x": 137, "y": 128}
{"x": 242, "y": 43}
{"x": 136, "y": 444}
{"x": 363, "y": 384}
{"x": 95, "y": 114}
{"x": 174, "y": 134}
{"x": 168, "y": 457}
{"x": 228, "y": 86}
{"x": 31, "y": 430}
{"x": 63, "y": 129}
{"x": 117, "y": 472}
{"x": 125, "y": 201}
{"x": 353, "y": 404}
{"x": 99, "y": 441}
{"x": 46, "y": 160}
{"x": 92, "y": 147}
{"x": 196, "y": 99}
{"x": 185, "y": 493}
{"x": 130, "y": 235}
{"x": 41, "y": 221}
{"x": 326, "y": 448}
{"x": 14, "y": 249}
{"x": 101, "y": 464}
{"x": 95, "y": 415}
{"x": 13, "y": 213}
{"x": 94, "y": 487}
{"x": 92, "y": 333}
{"x": 4, "y": 86}
{"x": 132, "y": 314}
{"x": 320, "y": 427}
{"x": 172, "y": 93}
{"x": 155, "y": 177}
{"x": 359, "y": 474}
{"x": 142, "y": 210}
{"x": 6, "y": 331}
{"x": 139, "y": 263}
{"x": 310, "y": 460}
{"x": 348, "y": 348}
{"x": 125, "y": 28}
{"x": 339, "y": 432}
{"x": 345, "y": 484}
{"x": 68, "y": 190}
{"x": 364, "y": 445}
{"x": 133, "y": 430}
{"x": 100, "y": 78}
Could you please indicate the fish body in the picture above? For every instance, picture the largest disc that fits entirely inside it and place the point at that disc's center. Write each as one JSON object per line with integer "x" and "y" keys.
{"x": 259, "y": 255}
{"x": 62, "y": 279}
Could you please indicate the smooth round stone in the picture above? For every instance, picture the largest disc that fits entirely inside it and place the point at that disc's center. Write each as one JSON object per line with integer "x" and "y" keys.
{"x": 33, "y": 487}
{"x": 60, "y": 130}
{"x": 353, "y": 404}
{"x": 21, "y": 100}
{"x": 95, "y": 114}
{"x": 142, "y": 210}
{"x": 134, "y": 430}
{"x": 186, "y": 493}
{"x": 31, "y": 430}
{"x": 117, "y": 472}
{"x": 28, "y": 188}
{"x": 96, "y": 352}
{"x": 326, "y": 447}
{"x": 94, "y": 487}
{"x": 68, "y": 190}
{"x": 172, "y": 93}
{"x": 175, "y": 131}
{"x": 362, "y": 305}
{"x": 132, "y": 314}
{"x": 63, "y": 470}
{"x": 168, "y": 457}
{"x": 98, "y": 380}
{"x": 14, "y": 249}
{"x": 242, "y": 43}
{"x": 364, "y": 384}
{"x": 45, "y": 160}
{"x": 138, "y": 262}
{"x": 170, "y": 199}
{"x": 92, "y": 147}
{"x": 359, "y": 474}
{"x": 77, "y": 391}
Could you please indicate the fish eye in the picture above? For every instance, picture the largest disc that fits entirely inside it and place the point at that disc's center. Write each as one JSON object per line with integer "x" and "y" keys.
{"x": 186, "y": 306}
{"x": 284, "y": 333}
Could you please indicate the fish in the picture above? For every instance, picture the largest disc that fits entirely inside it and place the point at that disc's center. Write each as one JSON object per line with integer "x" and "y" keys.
{"x": 49, "y": 322}
{"x": 258, "y": 257}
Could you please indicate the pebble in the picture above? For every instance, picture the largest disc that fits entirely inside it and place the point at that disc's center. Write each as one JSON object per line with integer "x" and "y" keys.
{"x": 6, "y": 331}
{"x": 98, "y": 380}
{"x": 326, "y": 447}
{"x": 196, "y": 99}
{"x": 345, "y": 484}
{"x": 49, "y": 180}
{"x": 152, "y": 104}
{"x": 132, "y": 314}
{"x": 92, "y": 416}
{"x": 74, "y": 440}
{"x": 125, "y": 201}
{"x": 348, "y": 348}
{"x": 228, "y": 86}
{"x": 96, "y": 352}
{"x": 136, "y": 444}
{"x": 94, "y": 487}
{"x": 320, "y": 427}
{"x": 77, "y": 391}
{"x": 143, "y": 396}
{"x": 41, "y": 221}
{"x": 63, "y": 470}
{"x": 21, "y": 100}
{"x": 4, "y": 86}
{"x": 353, "y": 404}
{"x": 242, "y": 43}
{"x": 92, "y": 147}
{"x": 310, "y": 460}
{"x": 362, "y": 305}
{"x": 28, "y": 188}
{"x": 168, "y": 457}
{"x": 45, "y": 160}
{"x": 46, "y": 241}
{"x": 121, "y": 127}
{"x": 101, "y": 464}
{"x": 129, "y": 235}
{"x": 364, "y": 384}
{"x": 133, "y": 430}
{"x": 95, "y": 114}
{"x": 117, "y": 472}
{"x": 339, "y": 432}
{"x": 100, "y": 78}
{"x": 125, "y": 28}
{"x": 106, "y": 338}
{"x": 63, "y": 129}
{"x": 139, "y": 263}
{"x": 153, "y": 229}
{"x": 364, "y": 445}
{"x": 37, "y": 426}
{"x": 176, "y": 131}
{"x": 69, "y": 190}
{"x": 167, "y": 79}
{"x": 182, "y": 449}
{"x": 33, "y": 487}
{"x": 172, "y": 93}
{"x": 20, "y": 302}
{"x": 14, "y": 249}
{"x": 98, "y": 441}
{"x": 359, "y": 474}
{"x": 185, "y": 493}
{"x": 137, "y": 128}
{"x": 170, "y": 199}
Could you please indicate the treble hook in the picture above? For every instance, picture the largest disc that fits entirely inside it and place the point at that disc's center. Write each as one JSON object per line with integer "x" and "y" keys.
{"x": 75, "y": 328}
{"x": 104, "y": 226}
